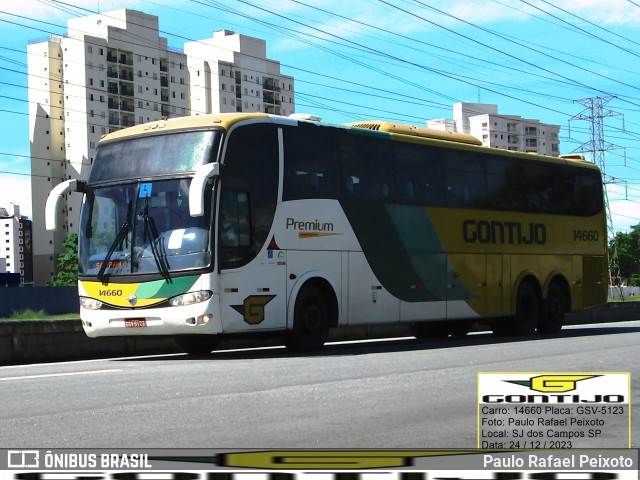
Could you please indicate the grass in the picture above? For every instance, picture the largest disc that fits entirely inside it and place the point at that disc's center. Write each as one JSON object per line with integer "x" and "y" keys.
{"x": 626, "y": 298}
{"x": 38, "y": 315}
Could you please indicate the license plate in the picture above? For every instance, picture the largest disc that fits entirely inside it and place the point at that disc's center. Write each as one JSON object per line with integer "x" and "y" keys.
{"x": 135, "y": 322}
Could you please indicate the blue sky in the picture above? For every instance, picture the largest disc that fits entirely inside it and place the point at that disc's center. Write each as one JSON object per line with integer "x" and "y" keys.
{"x": 401, "y": 60}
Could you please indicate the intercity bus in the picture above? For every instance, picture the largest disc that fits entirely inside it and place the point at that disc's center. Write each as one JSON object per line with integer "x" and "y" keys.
{"x": 205, "y": 226}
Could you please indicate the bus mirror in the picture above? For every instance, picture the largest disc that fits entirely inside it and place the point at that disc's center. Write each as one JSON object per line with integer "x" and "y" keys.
{"x": 51, "y": 208}
{"x": 198, "y": 184}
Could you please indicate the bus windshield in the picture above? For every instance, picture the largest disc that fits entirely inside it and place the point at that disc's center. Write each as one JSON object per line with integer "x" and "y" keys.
{"x": 142, "y": 228}
{"x": 164, "y": 154}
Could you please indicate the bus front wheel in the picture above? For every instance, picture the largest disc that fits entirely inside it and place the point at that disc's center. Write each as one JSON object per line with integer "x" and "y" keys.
{"x": 310, "y": 322}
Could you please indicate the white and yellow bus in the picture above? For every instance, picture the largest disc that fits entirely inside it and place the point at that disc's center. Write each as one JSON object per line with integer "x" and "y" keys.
{"x": 205, "y": 226}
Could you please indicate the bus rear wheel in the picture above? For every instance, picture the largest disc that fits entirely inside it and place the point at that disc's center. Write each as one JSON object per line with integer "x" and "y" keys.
{"x": 552, "y": 317}
{"x": 527, "y": 313}
{"x": 196, "y": 344}
{"x": 310, "y": 322}
{"x": 525, "y": 319}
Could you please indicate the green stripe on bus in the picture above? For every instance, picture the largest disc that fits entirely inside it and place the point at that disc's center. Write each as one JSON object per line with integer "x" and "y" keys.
{"x": 162, "y": 289}
{"x": 404, "y": 250}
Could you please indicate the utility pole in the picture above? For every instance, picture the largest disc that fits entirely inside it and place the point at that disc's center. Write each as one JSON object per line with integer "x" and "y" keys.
{"x": 595, "y": 112}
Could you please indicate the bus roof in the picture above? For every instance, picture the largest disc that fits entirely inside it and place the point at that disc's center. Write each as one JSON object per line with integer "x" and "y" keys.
{"x": 397, "y": 130}
{"x": 424, "y": 132}
{"x": 224, "y": 120}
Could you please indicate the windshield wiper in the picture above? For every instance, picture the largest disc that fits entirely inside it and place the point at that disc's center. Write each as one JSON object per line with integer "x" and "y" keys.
{"x": 159, "y": 254}
{"x": 120, "y": 238}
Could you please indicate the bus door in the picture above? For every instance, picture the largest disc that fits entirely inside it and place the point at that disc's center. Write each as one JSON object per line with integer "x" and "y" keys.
{"x": 251, "y": 283}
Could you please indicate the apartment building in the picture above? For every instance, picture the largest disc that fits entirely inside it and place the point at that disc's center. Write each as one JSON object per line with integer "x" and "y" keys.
{"x": 230, "y": 72}
{"x": 113, "y": 70}
{"x": 15, "y": 243}
{"x": 110, "y": 71}
{"x": 509, "y": 132}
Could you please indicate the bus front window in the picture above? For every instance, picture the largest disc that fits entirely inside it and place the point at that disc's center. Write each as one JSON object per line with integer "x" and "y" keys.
{"x": 142, "y": 228}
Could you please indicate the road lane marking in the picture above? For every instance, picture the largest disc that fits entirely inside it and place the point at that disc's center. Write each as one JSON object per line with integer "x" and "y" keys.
{"x": 49, "y": 375}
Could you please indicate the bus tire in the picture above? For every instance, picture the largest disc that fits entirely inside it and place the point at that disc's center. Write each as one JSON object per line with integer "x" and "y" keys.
{"x": 196, "y": 344}
{"x": 527, "y": 313}
{"x": 554, "y": 309}
{"x": 310, "y": 322}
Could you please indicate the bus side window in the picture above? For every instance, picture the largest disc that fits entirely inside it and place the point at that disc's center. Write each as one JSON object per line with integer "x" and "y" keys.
{"x": 464, "y": 175}
{"x": 311, "y": 164}
{"x": 418, "y": 175}
{"x": 366, "y": 168}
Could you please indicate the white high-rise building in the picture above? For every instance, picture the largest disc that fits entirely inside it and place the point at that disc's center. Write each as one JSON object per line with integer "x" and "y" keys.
{"x": 114, "y": 70}
{"x": 231, "y": 73}
{"x": 15, "y": 243}
{"x": 111, "y": 71}
{"x": 509, "y": 132}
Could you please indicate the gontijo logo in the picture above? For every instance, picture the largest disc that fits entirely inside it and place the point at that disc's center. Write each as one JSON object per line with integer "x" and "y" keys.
{"x": 554, "y": 388}
{"x": 552, "y": 383}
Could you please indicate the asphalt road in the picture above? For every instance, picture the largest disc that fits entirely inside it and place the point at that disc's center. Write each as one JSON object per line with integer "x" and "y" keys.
{"x": 399, "y": 393}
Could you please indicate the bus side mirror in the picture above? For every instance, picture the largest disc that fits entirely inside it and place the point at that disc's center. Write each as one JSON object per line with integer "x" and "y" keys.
{"x": 198, "y": 184}
{"x": 51, "y": 209}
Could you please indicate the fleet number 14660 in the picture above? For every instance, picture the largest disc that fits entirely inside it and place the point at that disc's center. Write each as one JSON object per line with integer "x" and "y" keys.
{"x": 586, "y": 235}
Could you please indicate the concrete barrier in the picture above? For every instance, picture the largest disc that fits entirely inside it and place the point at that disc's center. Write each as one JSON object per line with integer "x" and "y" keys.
{"x": 27, "y": 341}
{"x": 53, "y": 300}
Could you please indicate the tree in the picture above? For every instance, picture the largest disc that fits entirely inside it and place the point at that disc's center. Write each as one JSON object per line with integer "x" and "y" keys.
{"x": 628, "y": 246}
{"x": 67, "y": 275}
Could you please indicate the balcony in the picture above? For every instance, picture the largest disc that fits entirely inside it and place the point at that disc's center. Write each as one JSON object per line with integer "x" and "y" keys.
{"x": 164, "y": 82}
{"x": 126, "y": 75}
{"x": 127, "y": 107}
{"x": 112, "y": 73}
{"x": 114, "y": 120}
{"x": 128, "y": 92}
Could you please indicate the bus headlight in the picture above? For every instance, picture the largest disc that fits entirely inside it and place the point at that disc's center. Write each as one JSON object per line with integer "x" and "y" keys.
{"x": 90, "y": 303}
{"x": 190, "y": 298}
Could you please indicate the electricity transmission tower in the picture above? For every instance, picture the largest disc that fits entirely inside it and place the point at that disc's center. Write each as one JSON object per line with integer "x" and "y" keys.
{"x": 595, "y": 112}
